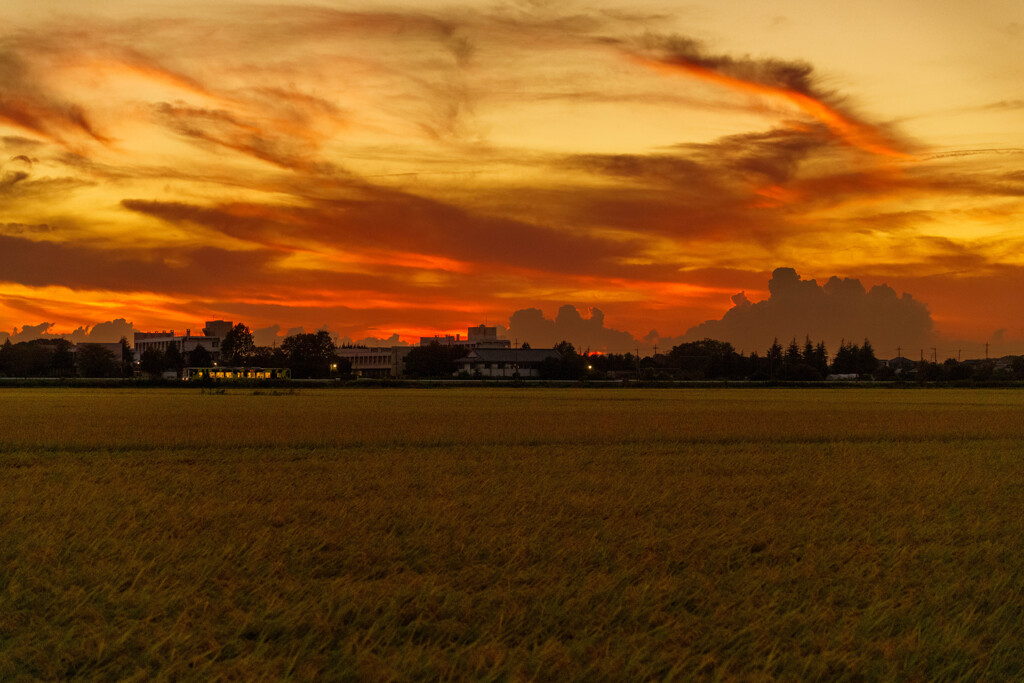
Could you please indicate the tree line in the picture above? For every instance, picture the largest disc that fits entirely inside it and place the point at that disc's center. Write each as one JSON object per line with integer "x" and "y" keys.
{"x": 60, "y": 358}
{"x": 710, "y": 359}
{"x": 308, "y": 355}
{"x": 705, "y": 359}
{"x": 314, "y": 355}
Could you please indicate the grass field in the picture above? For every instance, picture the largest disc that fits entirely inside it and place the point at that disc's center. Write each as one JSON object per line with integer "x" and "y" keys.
{"x": 512, "y": 534}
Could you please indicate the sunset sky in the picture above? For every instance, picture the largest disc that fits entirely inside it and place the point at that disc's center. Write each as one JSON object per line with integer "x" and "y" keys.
{"x": 419, "y": 167}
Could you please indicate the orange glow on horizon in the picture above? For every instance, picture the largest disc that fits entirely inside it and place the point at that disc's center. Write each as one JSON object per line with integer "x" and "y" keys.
{"x": 415, "y": 167}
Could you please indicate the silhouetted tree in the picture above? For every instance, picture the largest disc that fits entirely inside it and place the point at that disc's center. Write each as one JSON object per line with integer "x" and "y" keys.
{"x": 6, "y": 358}
{"x": 127, "y": 358}
{"x": 613, "y": 362}
{"x": 38, "y": 358}
{"x": 173, "y": 361}
{"x": 820, "y": 358}
{"x": 29, "y": 359}
{"x": 63, "y": 358}
{"x": 270, "y": 357}
{"x": 792, "y": 357}
{"x": 433, "y": 360}
{"x": 808, "y": 353}
{"x": 983, "y": 371}
{"x": 568, "y": 365}
{"x": 866, "y": 361}
{"x": 151, "y": 362}
{"x": 774, "y": 356}
{"x": 311, "y": 354}
{"x": 199, "y": 357}
{"x": 705, "y": 359}
{"x": 847, "y": 360}
{"x": 95, "y": 360}
{"x": 238, "y": 346}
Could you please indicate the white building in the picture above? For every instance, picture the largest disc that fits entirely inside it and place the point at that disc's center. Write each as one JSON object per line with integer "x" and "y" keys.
{"x": 487, "y": 362}
{"x": 380, "y": 361}
{"x": 217, "y": 328}
{"x": 480, "y": 336}
{"x": 161, "y": 341}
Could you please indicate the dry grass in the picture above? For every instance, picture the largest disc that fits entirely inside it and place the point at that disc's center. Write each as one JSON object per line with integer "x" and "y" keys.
{"x": 507, "y": 535}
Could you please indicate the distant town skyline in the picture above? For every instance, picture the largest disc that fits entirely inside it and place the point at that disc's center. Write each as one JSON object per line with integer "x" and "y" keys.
{"x": 833, "y": 312}
{"x": 427, "y": 167}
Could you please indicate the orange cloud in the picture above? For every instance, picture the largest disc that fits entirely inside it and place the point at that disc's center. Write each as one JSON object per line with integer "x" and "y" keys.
{"x": 772, "y": 79}
{"x": 404, "y": 189}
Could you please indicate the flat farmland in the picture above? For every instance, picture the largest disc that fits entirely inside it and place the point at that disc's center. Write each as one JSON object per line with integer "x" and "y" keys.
{"x": 511, "y": 534}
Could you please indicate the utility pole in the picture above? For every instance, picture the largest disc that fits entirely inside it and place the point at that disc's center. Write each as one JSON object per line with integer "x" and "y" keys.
{"x": 935, "y": 355}
{"x": 922, "y": 355}
{"x": 958, "y": 358}
{"x": 899, "y": 350}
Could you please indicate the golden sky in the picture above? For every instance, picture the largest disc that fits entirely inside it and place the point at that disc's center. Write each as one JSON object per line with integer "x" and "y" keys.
{"x": 418, "y": 168}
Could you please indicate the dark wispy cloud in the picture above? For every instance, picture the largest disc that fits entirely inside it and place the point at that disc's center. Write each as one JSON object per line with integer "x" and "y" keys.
{"x": 11, "y": 178}
{"x": 25, "y": 105}
{"x": 792, "y": 82}
{"x": 18, "y": 229}
{"x": 415, "y": 224}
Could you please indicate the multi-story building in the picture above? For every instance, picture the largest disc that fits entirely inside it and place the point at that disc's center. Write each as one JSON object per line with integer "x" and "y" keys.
{"x": 389, "y": 361}
{"x": 381, "y": 362}
{"x": 480, "y": 336}
{"x": 217, "y": 328}
{"x": 492, "y": 362}
{"x": 161, "y": 341}
{"x": 213, "y": 335}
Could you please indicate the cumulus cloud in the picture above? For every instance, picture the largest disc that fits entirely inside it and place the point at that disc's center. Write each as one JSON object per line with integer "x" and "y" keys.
{"x": 393, "y": 340}
{"x": 109, "y": 331}
{"x": 267, "y": 336}
{"x": 530, "y": 325}
{"x": 30, "y": 332}
{"x": 106, "y": 332}
{"x": 839, "y": 309}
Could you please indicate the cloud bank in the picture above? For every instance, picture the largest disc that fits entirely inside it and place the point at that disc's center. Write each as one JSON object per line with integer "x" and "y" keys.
{"x": 106, "y": 332}
{"x": 530, "y": 325}
{"x": 839, "y": 309}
